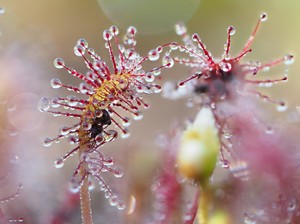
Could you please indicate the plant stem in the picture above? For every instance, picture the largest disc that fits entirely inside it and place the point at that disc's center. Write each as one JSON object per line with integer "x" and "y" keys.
{"x": 85, "y": 202}
{"x": 204, "y": 204}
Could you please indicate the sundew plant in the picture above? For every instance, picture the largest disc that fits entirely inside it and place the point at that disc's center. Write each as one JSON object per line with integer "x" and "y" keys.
{"x": 228, "y": 133}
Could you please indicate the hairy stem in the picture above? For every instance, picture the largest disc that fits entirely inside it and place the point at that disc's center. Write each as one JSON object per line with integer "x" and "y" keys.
{"x": 85, "y": 202}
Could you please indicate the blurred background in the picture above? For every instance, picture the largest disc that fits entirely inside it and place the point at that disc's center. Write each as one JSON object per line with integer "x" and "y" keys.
{"x": 34, "y": 33}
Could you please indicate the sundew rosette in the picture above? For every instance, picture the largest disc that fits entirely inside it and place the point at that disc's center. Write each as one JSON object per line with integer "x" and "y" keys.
{"x": 227, "y": 85}
{"x": 105, "y": 94}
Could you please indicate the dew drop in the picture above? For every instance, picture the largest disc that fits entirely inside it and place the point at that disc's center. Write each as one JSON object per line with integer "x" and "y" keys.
{"x": 79, "y": 50}
{"x": 118, "y": 172}
{"x": 2, "y": 10}
{"x": 111, "y": 135}
{"x": 231, "y": 30}
{"x": 137, "y": 116}
{"x": 109, "y": 161}
{"x": 126, "y": 122}
{"x": 281, "y": 106}
{"x": 55, "y": 102}
{"x": 113, "y": 201}
{"x": 44, "y": 104}
{"x": 289, "y": 59}
{"x": 47, "y": 142}
{"x": 86, "y": 126}
{"x": 72, "y": 101}
{"x": 55, "y": 83}
{"x": 292, "y": 205}
{"x": 167, "y": 61}
{"x": 180, "y": 29}
{"x": 153, "y": 55}
{"x": 149, "y": 77}
{"x": 114, "y": 30}
{"x": 131, "y": 31}
{"x": 225, "y": 163}
{"x": 121, "y": 205}
{"x": 125, "y": 133}
{"x": 266, "y": 68}
{"x": 156, "y": 72}
{"x": 74, "y": 186}
{"x": 64, "y": 130}
{"x": 195, "y": 37}
{"x": 59, "y": 63}
{"x": 269, "y": 130}
{"x": 225, "y": 66}
{"x": 174, "y": 46}
{"x": 59, "y": 163}
{"x": 107, "y": 35}
{"x": 72, "y": 140}
{"x": 263, "y": 17}
{"x": 99, "y": 139}
{"x": 82, "y": 42}
{"x": 91, "y": 186}
{"x": 156, "y": 88}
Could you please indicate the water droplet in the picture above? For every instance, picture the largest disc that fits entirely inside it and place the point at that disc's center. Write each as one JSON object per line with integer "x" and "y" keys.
{"x": 266, "y": 68}
{"x": 167, "y": 61}
{"x": 91, "y": 186}
{"x": 137, "y": 116}
{"x": 79, "y": 50}
{"x": 83, "y": 88}
{"x": 126, "y": 122}
{"x": 114, "y": 30}
{"x": 55, "y": 83}
{"x": 225, "y": 66}
{"x": 231, "y": 30}
{"x": 118, "y": 172}
{"x": 111, "y": 135}
{"x": 47, "y": 142}
{"x": 109, "y": 161}
{"x": 59, "y": 163}
{"x": 99, "y": 139}
{"x": 292, "y": 205}
{"x": 72, "y": 101}
{"x": 225, "y": 163}
{"x": 113, "y": 201}
{"x": 107, "y": 35}
{"x": 121, "y": 205}
{"x": 156, "y": 88}
{"x": 195, "y": 37}
{"x": 263, "y": 17}
{"x": 156, "y": 72}
{"x": 131, "y": 31}
{"x": 74, "y": 186}
{"x": 149, "y": 77}
{"x": 174, "y": 46}
{"x": 55, "y": 102}
{"x": 72, "y": 140}
{"x": 82, "y": 42}
{"x": 2, "y": 10}
{"x": 281, "y": 106}
{"x": 180, "y": 29}
{"x": 59, "y": 63}
{"x": 240, "y": 170}
{"x": 86, "y": 125}
{"x": 153, "y": 55}
{"x": 289, "y": 59}
{"x": 125, "y": 133}
{"x": 44, "y": 104}
{"x": 269, "y": 130}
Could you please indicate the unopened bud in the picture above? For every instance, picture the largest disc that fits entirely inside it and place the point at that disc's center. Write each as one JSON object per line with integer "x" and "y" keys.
{"x": 199, "y": 147}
